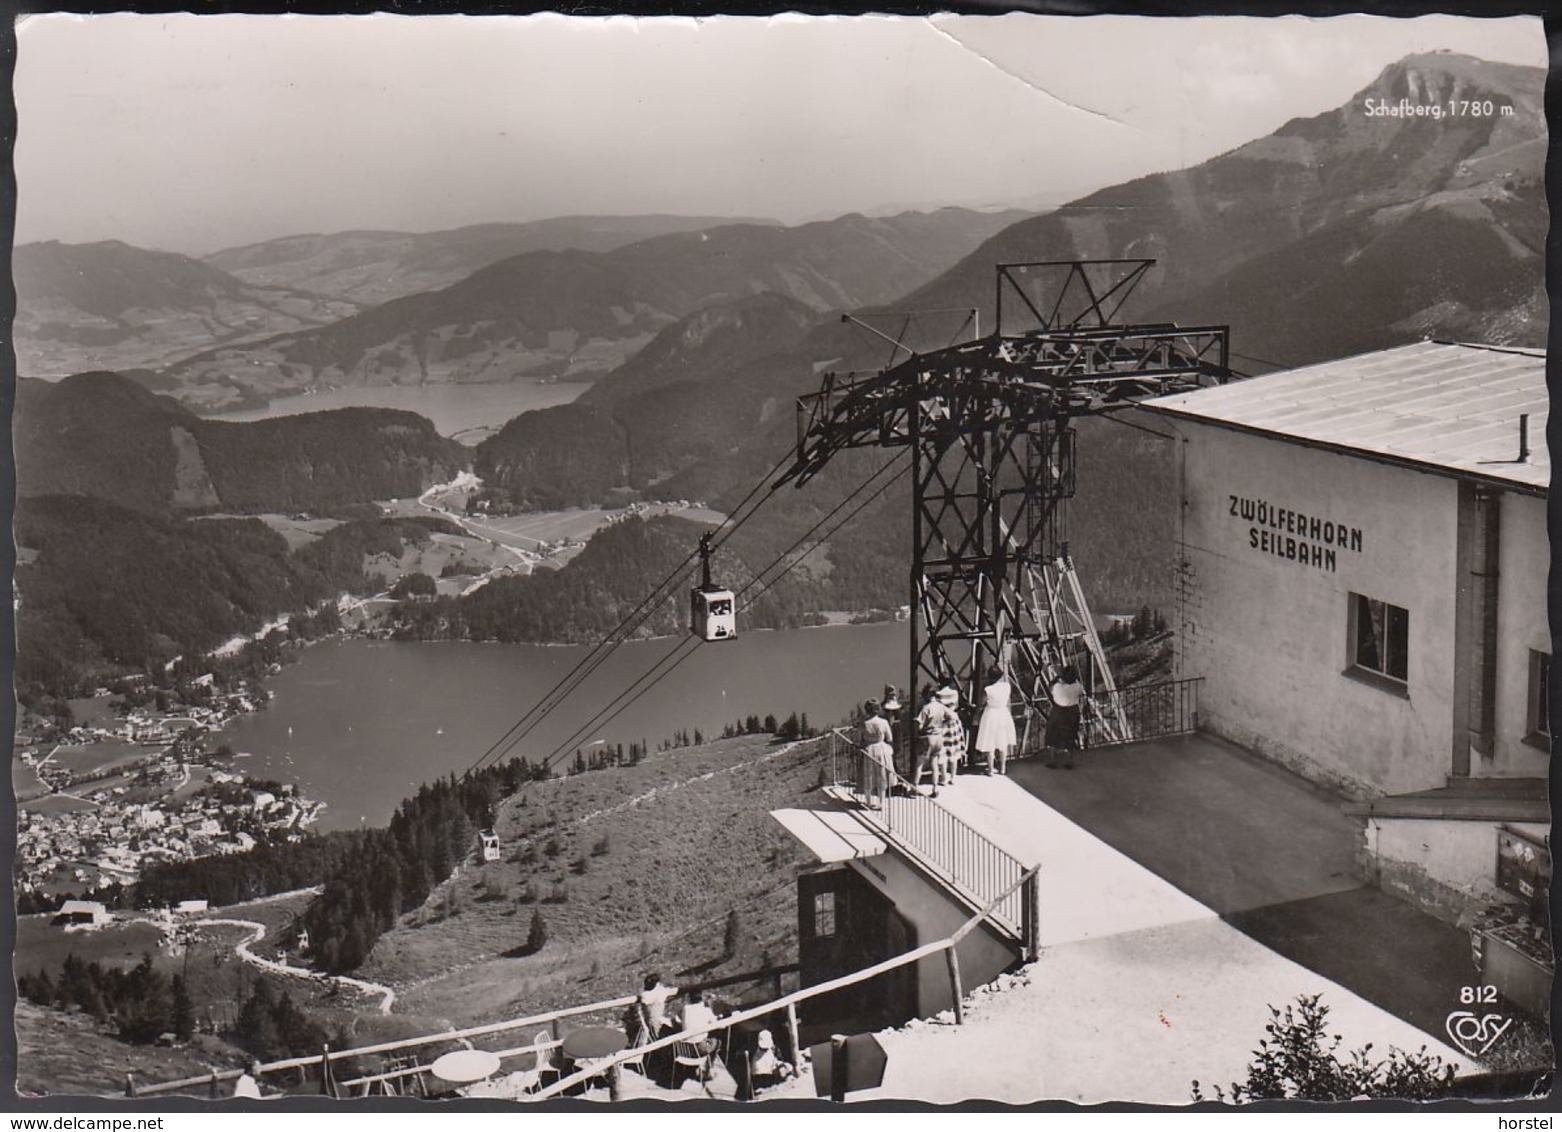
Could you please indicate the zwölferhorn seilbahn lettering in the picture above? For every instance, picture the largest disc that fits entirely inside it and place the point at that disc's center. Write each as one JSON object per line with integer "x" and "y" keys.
{"x": 1295, "y": 535}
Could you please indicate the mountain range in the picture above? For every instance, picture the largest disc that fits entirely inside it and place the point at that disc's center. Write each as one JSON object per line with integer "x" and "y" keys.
{"x": 372, "y": 267}
{"x": 544, "y": 314}
{"x": 1345, "y": 232}
{"x": 576, "y": 315}
{"x": 1338, "y": 234}
{"x": 108, "y": 305}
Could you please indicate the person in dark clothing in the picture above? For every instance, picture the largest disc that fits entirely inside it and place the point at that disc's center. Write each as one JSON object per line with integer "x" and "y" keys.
{"x": 1062, "y": 737}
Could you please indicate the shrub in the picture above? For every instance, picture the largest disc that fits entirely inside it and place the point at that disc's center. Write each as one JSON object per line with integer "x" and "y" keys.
{"x": 1299, "y": 1061}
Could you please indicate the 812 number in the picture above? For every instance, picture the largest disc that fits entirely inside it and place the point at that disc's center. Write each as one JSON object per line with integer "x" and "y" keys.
{"x": 1482, "y": 994}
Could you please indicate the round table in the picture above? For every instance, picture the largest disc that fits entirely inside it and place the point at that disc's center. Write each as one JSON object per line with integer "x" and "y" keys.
{"x": 592, "y": 1042}
{"x": 465, "y": 1066}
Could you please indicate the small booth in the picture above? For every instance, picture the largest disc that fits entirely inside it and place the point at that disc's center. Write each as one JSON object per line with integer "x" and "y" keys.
{"x": 1512, "y": 941}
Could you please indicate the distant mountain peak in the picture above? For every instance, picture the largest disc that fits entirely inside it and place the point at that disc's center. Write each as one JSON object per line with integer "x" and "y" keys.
{"x": 1433, "y": 77}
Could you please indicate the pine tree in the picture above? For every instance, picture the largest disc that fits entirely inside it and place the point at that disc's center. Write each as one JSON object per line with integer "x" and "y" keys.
{"x": 537, "y": 936}
{"x": 730, "y": 936}
{"x": 184, "y": 1010}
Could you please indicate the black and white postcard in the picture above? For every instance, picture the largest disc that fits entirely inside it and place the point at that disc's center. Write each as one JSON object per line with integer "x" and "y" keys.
{"x": 762, "y": 560}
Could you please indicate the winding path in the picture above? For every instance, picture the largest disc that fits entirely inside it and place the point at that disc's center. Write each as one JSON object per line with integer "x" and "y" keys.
{"x": 258, "y": 933}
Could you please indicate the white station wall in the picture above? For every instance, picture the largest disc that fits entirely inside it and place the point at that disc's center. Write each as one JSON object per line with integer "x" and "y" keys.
{"x": 1521, "y": 628}
{"x": 1270, "y": 634}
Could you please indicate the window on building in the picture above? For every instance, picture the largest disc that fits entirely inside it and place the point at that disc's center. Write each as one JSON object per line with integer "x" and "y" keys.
{"x": 824, "y": 914}
{"x": 1539, "y": 708}
{"x": 1380, "y": 638}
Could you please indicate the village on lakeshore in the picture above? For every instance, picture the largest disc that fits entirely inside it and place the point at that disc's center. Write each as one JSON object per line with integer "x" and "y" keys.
{"x": 102, "y": 798}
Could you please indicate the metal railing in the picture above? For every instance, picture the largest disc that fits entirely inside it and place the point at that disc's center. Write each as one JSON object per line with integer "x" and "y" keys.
{"x": 1027, "y": 881}
{"x": 326, "y": 1061}
{"x": 326, "y": 1065}
{"x": 1153, "y": 711}
{"x": 941, "y": 842}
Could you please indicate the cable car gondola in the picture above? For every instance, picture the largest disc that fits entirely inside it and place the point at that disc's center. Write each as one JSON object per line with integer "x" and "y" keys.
{"x": 712, "y": 610}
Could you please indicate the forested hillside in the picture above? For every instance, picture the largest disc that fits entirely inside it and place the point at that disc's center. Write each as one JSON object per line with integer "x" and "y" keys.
{"x": 105, "y": 589}
{"x": 103, "y": 435}
{"x": 599, "y": 590}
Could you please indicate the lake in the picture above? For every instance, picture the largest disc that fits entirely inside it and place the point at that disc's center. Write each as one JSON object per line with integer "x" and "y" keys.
{"x": 360, "y": 724}
{"x": 465, "y": 412}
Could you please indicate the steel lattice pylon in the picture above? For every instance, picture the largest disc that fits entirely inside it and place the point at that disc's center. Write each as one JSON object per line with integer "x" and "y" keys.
{"x": 988, "y": 423}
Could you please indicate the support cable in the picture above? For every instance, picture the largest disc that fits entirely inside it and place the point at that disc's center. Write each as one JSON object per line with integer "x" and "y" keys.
{"x": 616, "y": 636}
{"x": 614, "y": 708}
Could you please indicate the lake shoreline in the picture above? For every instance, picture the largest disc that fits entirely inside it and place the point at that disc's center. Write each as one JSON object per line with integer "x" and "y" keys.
{"x": 362, "y": 725}
{"x": 456, "y": 410}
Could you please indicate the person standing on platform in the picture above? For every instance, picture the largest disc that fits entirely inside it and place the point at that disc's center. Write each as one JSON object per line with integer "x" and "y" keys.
{"x": 879, "y": 755}
{"x": 900, "y": 738}
{"x": 930, "y": 729}
{"x": 995, "y": 737}
{"x": 954, "y": 733}
{"x": 1062, "y": 736}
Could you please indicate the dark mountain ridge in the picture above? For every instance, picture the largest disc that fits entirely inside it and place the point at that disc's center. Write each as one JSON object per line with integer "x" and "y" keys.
{"x": 1404, "y": 221}
{"x": 104, "y": 436}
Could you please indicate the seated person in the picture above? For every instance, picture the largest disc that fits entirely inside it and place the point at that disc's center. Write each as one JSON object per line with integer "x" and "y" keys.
{"x": 248, "y": 1084}
{"x": 764, "y": 1064}
{"x": 650, "y": 1011}
{"x": 698, "y": 1019}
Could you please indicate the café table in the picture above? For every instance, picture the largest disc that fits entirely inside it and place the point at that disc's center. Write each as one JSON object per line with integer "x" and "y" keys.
{"x": 464, "y": 1066}
{"x": 592, "y": 1043}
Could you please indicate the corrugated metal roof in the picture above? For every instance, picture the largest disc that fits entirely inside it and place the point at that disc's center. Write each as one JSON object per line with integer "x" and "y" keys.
{"x": 1448, "y": 406}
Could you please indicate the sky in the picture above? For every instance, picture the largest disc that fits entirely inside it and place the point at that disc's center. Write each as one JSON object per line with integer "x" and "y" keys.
{"x": 194, "y": 133}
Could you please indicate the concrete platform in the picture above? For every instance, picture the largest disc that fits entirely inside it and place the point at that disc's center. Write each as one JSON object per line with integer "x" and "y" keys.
{"x": 1228, "y": 829}
{"x": 1133, "y": 1017}
{"x": 1088, "y": 888}
{"x": 1270, "y": 852}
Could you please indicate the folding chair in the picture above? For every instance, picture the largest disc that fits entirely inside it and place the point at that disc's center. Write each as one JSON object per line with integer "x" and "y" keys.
{"x": 639, "y": 1037}
{"x": 544, "y": 1067}
{"x": 691, "y": 1054}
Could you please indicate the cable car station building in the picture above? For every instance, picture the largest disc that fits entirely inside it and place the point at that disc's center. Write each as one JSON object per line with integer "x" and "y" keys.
{"x": 1362, "y": 562}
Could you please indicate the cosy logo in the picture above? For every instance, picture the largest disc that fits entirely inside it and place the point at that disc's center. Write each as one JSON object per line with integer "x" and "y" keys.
{"x": 1475, "y": 1034}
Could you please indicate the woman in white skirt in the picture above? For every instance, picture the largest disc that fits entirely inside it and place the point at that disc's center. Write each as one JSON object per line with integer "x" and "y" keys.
{"x": 877, "y": 739}
{"x": 995, "y": 738}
